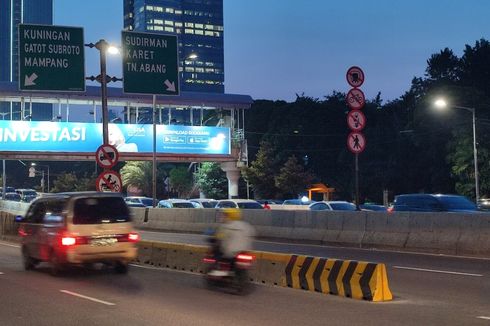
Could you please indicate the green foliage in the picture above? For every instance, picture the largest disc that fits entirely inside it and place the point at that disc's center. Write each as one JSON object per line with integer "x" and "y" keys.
{"x": 181, "y": 181}
{"x": 262, "y": 171}
{"x": 138, "y": 174}
{"x": 65, "y": 182}
{"x": 292, "y": 179}
{"x": 211, "y": 180}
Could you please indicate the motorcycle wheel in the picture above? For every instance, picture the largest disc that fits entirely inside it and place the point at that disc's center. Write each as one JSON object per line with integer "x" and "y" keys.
{"x": 241, "y": 283}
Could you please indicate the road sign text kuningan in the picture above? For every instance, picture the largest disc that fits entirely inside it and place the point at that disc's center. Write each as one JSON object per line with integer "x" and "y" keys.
{"x": 51, "y": 58}
{"x": 150, "y": 63}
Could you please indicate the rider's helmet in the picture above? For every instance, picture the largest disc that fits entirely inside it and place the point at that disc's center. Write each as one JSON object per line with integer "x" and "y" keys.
{"x": 231, "y": 214}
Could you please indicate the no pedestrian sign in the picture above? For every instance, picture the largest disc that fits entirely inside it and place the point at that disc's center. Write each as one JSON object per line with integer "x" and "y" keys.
{"x": 356, "y": 142}
{"x": 150, "y": 63}
{"x": 51, "y": 58}
{"x": 106, "y": 156}
{"x": 109, "y": 181}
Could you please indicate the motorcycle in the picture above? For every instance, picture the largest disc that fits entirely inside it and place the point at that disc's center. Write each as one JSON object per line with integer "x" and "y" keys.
{"x": 229, "y": 273}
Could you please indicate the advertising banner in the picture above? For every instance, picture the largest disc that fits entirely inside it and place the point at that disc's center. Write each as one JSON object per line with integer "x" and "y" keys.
{"x": 76, "y": 137}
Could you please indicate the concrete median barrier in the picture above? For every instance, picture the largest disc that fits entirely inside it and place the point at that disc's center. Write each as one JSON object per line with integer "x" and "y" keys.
{"x": 352, "y": 279}
{"x": 358, "y": 280}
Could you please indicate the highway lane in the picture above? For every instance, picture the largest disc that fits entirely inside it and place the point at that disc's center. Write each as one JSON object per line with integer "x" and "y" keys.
{"x": 149, "y": 296}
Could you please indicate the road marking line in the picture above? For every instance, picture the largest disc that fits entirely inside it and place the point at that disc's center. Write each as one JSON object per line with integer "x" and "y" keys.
{"x": 9, "y": 245}
{"x": 483, "y": 317}
{"x": 88, "y": 298}
{"x": 437, "y": 271}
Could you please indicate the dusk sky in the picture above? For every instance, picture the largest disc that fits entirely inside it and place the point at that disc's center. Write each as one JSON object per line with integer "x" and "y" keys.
{"x": 277, "y": 48}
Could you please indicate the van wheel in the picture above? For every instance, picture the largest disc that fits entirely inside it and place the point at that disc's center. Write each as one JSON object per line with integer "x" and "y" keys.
{"x": 121, "y": 268}
{"x": 55, "y": 264}
{"x": 27, "y": 260}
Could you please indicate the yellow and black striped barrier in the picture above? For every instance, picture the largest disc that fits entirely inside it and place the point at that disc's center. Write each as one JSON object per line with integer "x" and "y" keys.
{"x": 353, "y": 279}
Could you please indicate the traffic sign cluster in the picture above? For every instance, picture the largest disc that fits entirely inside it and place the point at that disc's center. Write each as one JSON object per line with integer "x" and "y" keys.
{"x": 107, "y": 157}
{"x": 356, "y": 120}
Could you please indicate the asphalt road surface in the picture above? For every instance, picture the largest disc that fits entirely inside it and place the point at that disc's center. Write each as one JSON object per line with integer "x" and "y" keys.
{"x": 150, "y": 296}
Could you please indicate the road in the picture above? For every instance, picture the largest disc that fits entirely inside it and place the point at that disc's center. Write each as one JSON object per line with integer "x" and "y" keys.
{"x": 149, "y": 296}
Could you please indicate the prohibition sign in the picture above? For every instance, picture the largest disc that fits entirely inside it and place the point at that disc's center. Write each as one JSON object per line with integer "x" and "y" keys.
{"x": 355, "y": 99}
{"x": 356, "y": 142}
{"x": 106, "y": 156}
{"x": 355, "y": 76}
{"x": 356, "y": 120}
{"x": 109, "y": 181}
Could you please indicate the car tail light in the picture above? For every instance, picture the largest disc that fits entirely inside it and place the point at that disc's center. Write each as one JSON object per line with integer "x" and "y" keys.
{"x": 133, "y": 237}
{"x": 68, "y": 241}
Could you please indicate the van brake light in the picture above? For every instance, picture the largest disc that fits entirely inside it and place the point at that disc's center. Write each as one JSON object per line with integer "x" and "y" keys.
{"x": 133, "y": 237}
{"x": 68, "y": 241}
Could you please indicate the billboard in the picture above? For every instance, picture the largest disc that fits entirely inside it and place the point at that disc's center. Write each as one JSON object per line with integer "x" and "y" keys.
{"x": 44, "y": 136}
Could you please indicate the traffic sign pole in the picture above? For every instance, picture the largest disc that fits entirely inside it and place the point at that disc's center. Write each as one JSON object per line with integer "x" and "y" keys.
{"x": 356, "y": 120}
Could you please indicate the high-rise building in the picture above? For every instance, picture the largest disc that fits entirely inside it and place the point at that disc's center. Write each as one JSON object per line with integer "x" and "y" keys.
{"x": 13, "y": 13}
{"x": 198, "y": 25}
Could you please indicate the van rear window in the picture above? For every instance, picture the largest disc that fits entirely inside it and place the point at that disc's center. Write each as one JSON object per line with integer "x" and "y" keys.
{"x": 99, "y": 210}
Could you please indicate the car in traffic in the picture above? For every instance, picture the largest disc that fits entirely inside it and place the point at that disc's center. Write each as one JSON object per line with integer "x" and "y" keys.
{"x": 203, "y": 202}
{"x": 12, "y": 196}
{"x": 332, "y": 206}
{"x": 175, "y": 203}
{"x": 433, "y": 203}
{"x": 27, "y": 195}
{"x": 239, "y": 203}
{"x": 373, "y": 208}
{"x": 78, "y": 228}
{"x": 300, "y": 202}
{"x": 139, "y": 201}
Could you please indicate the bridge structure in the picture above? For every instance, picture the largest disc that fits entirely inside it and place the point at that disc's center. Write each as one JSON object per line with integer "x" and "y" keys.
{"x": 189, "y": 109}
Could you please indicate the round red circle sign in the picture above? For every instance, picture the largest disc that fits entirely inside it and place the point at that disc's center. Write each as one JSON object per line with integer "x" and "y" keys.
{"x": 356, "y": 142}
{"x": 356, "y": 120}
{"x": 355, "y": 99}
{"x": 106, "y": 156}
{"x": 355, "y": 76}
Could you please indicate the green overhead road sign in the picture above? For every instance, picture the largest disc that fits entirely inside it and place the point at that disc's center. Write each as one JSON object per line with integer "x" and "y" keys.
{"x": 150, "y": 63}
{"x": 51, "y": 58}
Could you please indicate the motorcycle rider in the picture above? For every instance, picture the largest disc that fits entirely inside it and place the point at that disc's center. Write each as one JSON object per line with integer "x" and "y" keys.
{"x": 233, "y": 236}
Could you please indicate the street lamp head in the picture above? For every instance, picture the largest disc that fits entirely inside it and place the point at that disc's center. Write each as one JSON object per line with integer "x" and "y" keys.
{"x": 113, "y": 50}
{"x": 440, "y": 103}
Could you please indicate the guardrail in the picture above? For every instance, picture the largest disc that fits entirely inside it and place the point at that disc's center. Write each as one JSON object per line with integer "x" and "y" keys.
{"x": 448, "y": 233}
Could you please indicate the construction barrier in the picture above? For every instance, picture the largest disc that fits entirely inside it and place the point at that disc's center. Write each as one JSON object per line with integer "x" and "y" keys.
{"x": 352, "y": 279}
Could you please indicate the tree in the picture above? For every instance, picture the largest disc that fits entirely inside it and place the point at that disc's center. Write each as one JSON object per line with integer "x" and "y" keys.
{"x": 211, "y": 180}
{"x": 65, "y": 182}
{"x": 262, "y": 171}
{"x": 292, "y": 179}
{"x": 138, "y": 174}
{"x": 181, "y": 181}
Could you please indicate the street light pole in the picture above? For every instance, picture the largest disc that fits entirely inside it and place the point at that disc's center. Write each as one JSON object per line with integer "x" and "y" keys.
{"x": 103, "y": 79}
{"x": 442, "y": 104}
{"x": 102, "y": 46}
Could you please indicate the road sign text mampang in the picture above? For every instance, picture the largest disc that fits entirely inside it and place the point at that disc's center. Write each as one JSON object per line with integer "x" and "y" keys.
{"x": 51, "y": 58}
